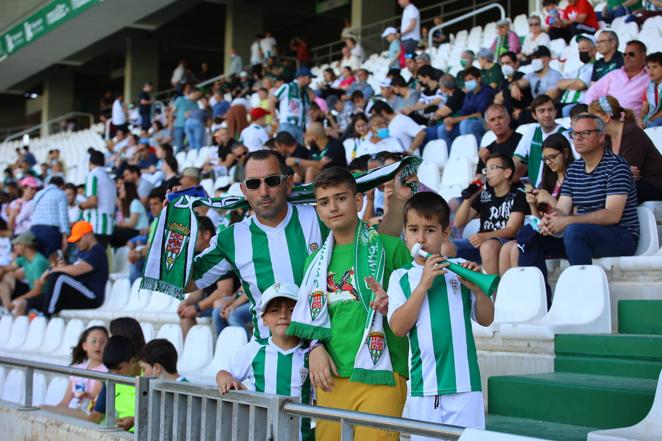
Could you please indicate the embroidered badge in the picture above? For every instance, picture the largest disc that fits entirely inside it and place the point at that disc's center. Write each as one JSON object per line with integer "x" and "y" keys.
{"x": 455, "y": 285}
{"x": 304, "y": 374}
{"x": 313, "y": 246}
{"x": 375, "y": 342}
{"x": 177, "y": 238}
{"x": 316, "y": 300}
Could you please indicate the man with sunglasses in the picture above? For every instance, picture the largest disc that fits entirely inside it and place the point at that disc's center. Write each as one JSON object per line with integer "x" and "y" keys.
{"x": 274, "y": 242}
{"x": 628, "y": 83}
{"x": 605, "y": 222}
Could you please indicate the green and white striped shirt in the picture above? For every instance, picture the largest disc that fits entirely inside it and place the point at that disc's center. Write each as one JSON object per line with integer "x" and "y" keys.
{"x": 260, "y": 255}
{"x": 443, "y": 352}
{"x": 273, "y": 370}
{"x": 294, "y": 104}
{"x": 99, "y": 184}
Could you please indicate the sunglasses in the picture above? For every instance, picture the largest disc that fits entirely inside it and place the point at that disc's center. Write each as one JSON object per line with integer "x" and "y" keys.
{"x": 534, "y": 24}
{"x": 630, "y": 54}
{"x": 271, "y": 181}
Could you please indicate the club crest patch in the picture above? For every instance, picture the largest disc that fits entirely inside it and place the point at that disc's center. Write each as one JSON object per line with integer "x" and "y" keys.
{"x": 177, "y": 237}
{"x": 313, "y": 247}
{"x": 304, "y": 374}
{"x": 455, "y": 285}
{"x": 316, "y": 301}
{"x": 375, "y": 342}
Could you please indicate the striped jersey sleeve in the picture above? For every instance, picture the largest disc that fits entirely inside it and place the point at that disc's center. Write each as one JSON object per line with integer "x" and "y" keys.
{"x": 281, "y": 91}
{"x": 91, "y": 185}
{"x": 241, "y": 365}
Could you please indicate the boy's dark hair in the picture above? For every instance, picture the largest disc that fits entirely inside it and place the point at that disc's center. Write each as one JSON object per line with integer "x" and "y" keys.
{"x": 57, "y": 181}
{"x": 160, "y": 351}
{"x": 333, "y": 176}
{"x": 157, "y": 193}
{"x": 133, "y": 169}
{"x": 539, "y": 101}
{"x": 641, "y": 46}
{"x": 118, "y": 350}
{"x": 261, "y": 155}
{"x": 429, "y": 205}
{"x": 78, "y": 354}
{"x": 205, "y": 224}
{"x": 360, "y": 163}
{"x": 578, "y": 110}
{"x": 550, "y": 2}
{"x": 506, "y": 161}
{"x": 655, "y": 57}
{"x": 357, "y": 95}
{"x": 285, "y": 138}
{"x": 428, "y": 71}
{"x": 130, "y": 328}
{"x": 471, "y": 70}
{"x": 510, "y": 54}
{"x": 398, "y": 82}
{"x": 381, "y": 108}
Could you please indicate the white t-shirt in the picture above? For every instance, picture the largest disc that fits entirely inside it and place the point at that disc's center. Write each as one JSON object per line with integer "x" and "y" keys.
{"x": 256, "y": 56}
{"x": 530, "y": 44}
{"x": 355, "y": 147}
{"x": 254, "y": 137}
{"x": 352, "y": 61}
{"x": 118, "y": 116}
{"x": 408, "y": 14}
{"x": 268, "y": 45}
{"x": 404, "y": 128}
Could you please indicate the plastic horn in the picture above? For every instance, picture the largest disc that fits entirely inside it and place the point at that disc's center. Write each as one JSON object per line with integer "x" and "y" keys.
{"x": 488, "y": 283}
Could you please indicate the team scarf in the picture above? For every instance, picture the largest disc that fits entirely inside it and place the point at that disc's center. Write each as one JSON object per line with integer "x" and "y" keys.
{"x": 170, "y": 257}
{"x": 311, "y": 319}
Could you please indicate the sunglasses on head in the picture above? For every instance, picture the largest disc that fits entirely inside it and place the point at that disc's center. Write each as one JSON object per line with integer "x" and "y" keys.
{"x": 271, "y": 181}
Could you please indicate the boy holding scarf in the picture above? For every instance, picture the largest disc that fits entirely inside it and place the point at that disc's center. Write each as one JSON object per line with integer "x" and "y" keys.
{"x": 356, "y": 363}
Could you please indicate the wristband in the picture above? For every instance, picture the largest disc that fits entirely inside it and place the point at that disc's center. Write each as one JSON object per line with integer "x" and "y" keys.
{"x": 313, "y": 344}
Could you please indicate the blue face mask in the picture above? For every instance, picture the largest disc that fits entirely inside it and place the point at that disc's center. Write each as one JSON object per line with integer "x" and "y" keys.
{"x": 383, "y": 132}
{"x": 470, "y": 85}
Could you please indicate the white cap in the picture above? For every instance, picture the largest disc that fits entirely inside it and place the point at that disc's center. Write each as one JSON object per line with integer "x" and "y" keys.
{"x": 386, "y": 82}
{"x": 223, "y": 181}
{"x": 279, "y": 289}
{"x": 388, "y": 31}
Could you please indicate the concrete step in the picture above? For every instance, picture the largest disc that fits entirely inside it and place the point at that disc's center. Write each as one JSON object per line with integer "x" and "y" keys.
{"x": 537, "y": 428}
{"x": 624, "y": 355}
{"x": 640, "y": 317}
{"x": 571, "y": 398}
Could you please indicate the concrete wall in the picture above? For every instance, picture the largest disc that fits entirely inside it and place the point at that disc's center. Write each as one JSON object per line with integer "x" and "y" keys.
{"x": 37, "y": 425}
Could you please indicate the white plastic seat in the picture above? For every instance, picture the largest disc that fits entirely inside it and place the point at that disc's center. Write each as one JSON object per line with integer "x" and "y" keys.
{"x": 119, "y": 298}
{"x": 649, "y": 242}
{"x": 436, "y": 152}
{"x": 191, "y": 158}
{"x": 471, "y": 228}
{"x": 55, "y": 391}
{"x": 19, "y": 331}
{"x": 516, "y": 305}
{"x": 2, "y": 378}
{"x": 230, "y": 341}
{"x": 203, "y": 154}
{"x": 62, "y": 355}
{"x": 6, "y": 323}
{"x": 428, "y": 174}
{"x": 198, "y": 349}
{"x": 488, "y": 138}
{"x": 208, "y": 185}
{"x": 181, "y": 159}
{"x": 580, "y": 306}
{"x": 138, "y": 300}
{"x": 39, "y": 386}
{"x": 34, "y": 337}
{"x": 464, "y": 146}
{"x": 458, "y": 172}
{"x": 655, "y": 134}
{"x": 172, "y": 333}
{"x": 52, "y": 338}
{"x": 648, "y": 429}
{"x": 158, "y": 303}
{"x": 148, "y": 331}
{"x": 120, "y": 263}
{"x": 14, "y": 388}
{"x": 95, "y": 322}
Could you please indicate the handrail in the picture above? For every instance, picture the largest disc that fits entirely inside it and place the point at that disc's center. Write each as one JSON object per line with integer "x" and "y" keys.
{"x": 48, "y": 123}
{"x": 348, "y": 419}
{"x": 464, "y": 17}
{"x": 110, "y": 380}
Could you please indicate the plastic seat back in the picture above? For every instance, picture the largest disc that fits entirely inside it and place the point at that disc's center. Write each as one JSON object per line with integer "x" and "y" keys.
{"x": 465, "y": 146}
{"x": 198, "y": 349}
{"x": 39, "y": 386}
{"x": 159, "y": 301}
{"x": 148, "y": 330}
{"x": 458, "y": 172}
{"x": 121, "y": 260}
{"x": 655, "y": 134}
{"x": 53, "y": 335}
{"x": 471, "y": 228}
{"x": 488, "y": 138}
{"x": 56, "y": 390}
{"x": 2, "y": 378}
{"x": 36, "y": 333}
{"x": 208, "y": 185}
{"x": 649, "y": 242}
{"x": 436, "y": 152}
{"x": 231, "y": 340}
{"x": 428, "y": 174}
{"x": 6, "y": 323}
{"x": 138, "y": 299}
{"x": 173, "y": 333}
{"x": 120, "y": 294}
{"x": 19, "y": 331}
{"x": 72, "y": 332}
{"x": 581, "y": 296}
{"x": 14, "y": 388}
{"x": 95, "y": 322}
{"x": 516, "y": 305}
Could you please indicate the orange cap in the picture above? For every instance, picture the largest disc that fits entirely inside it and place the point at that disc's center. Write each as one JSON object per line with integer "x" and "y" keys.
{"x": 79, "y": 229}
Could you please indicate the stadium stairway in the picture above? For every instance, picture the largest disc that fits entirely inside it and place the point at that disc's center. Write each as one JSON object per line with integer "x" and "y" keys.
{"x": 600, "y": 381}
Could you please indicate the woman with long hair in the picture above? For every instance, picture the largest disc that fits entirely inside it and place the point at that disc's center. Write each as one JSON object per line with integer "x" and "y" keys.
{"x": 356, "y": 137}
{"x": 133, "y": 216}
{"x": 630, "y": 142}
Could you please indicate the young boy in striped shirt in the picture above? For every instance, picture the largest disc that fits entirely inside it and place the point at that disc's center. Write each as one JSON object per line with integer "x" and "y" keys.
{"x": 278, "y": 365}
{"x": 433, "y": 307}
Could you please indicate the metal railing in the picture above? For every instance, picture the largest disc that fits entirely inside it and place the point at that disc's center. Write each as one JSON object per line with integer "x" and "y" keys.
{"x": 141, "y": 384}
{"x": 463, "y": 17}
{"x": 88, "y": 117}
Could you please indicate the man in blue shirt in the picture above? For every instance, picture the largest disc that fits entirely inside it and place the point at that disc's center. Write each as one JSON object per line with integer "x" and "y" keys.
{"x": 596, "y": 214}
{"x": 469, "y": 120}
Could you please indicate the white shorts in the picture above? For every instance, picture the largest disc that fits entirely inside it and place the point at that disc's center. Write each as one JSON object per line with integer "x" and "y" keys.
{"x": 464, "y": 410}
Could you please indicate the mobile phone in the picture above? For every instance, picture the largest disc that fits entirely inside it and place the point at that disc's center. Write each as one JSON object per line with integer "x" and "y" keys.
{"x": 197, "y": 191}
{"x": 526, "y": 182}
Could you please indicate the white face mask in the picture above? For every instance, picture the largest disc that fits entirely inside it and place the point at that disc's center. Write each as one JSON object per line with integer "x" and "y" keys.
{"x": 507, "y": 70}
{"x": 537, "y": 65}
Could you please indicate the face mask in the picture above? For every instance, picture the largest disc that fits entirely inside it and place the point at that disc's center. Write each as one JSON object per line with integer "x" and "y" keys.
{"x": 584, "y": 57}
{"x": 464, "y": 63}
{"x": 507, "y": 70}
{"x": 471, "y": 85}
{"x": 537, "y": 65}
{"x": 383, "y": 133}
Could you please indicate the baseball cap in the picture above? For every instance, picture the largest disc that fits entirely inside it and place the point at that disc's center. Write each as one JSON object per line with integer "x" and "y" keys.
{"x": 423, "y": 57}
{"x": 388, "y": 31}
{"x": 279, "y": 289}
{"x": 386, "y": 82}
{"x": 541, "y": 51}
{"x": 79, "y": 229}
{"x": 27, "y": 238}
{"x": 191, "y": 172}
{"x": 304, "y": 72}
{"x": 258, "y": 112}
{"x": 29, "y": 181}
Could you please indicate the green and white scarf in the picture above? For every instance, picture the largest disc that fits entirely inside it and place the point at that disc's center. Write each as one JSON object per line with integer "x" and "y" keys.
{"x": 311, "y": 319}
{"x": 170, "y": 258}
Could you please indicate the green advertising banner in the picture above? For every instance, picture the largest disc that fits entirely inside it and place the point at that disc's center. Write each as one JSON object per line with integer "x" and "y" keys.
{"x": 44, "y": 20}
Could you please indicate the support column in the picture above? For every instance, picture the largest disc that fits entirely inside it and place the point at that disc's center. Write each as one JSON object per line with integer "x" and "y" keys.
{"x": 535, "y": 6}
{"x": 141, "y": 64}
{"x": 58, "y": 95}
{"x": 366, "y": 12}
{"x": 242, "y": 21}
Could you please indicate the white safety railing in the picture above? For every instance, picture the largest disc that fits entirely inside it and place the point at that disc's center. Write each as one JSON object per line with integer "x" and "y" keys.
{"x": 462, "y": 17}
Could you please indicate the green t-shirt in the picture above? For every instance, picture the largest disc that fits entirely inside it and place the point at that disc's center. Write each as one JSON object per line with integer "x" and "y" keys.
{"x": 348, "y": 315}
{"x": 34, "y": 268}
{"x": 493, "y": 75}
{"x": 611, "y": 4}
{"x": 125, "y": 402}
